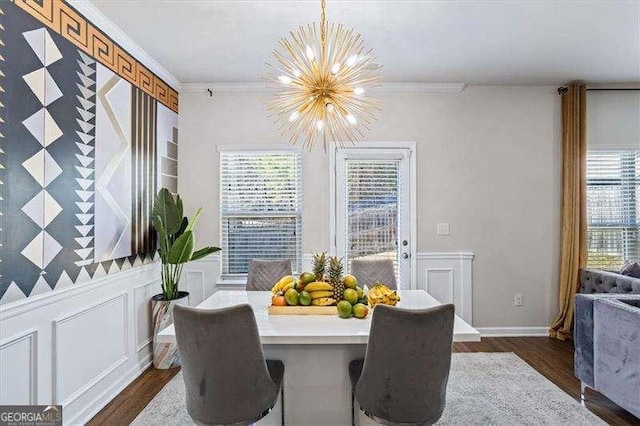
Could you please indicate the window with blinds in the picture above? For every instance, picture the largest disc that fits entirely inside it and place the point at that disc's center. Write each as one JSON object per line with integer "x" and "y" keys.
{"x": 613, "y": 207}
{"x": 371, "y": 200}
{"x": 260, "y": 208}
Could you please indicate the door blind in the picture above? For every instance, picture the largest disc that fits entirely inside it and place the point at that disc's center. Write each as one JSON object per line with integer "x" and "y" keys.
{"x": 372, "y": 219}
{"x": 613, "y": 207}
{"x": 260, "y": 208}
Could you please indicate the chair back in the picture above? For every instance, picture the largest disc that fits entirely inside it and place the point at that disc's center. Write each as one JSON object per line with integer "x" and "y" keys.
{"x": 225, "y": 374}
{"x": 368, "y": 272}
{"x": 406, "y": 367}
{"x": 263, "y": 274}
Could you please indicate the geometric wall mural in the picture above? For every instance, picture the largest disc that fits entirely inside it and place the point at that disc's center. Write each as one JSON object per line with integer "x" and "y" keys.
{"x": 82, "y": 154}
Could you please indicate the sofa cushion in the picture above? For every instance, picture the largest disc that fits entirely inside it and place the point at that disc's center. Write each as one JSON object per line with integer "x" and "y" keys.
{"x": 597, "y": 281}
{"x": 630, "y": 269}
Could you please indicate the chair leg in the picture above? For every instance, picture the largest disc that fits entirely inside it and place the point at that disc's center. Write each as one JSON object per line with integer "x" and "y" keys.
{"x": 353, "y": 413}
{"x": 282, "y": 404}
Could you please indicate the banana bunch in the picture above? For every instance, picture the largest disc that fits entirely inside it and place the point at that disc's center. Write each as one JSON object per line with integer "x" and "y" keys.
{"x": 321, "y": 293}
{"x": 323, "y": 301}
{"x": 284, "y": 284}
{"x": 380, "y": 293}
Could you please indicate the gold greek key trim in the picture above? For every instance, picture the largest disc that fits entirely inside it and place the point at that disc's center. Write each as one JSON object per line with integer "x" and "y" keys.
{"x": 66, "y": 21}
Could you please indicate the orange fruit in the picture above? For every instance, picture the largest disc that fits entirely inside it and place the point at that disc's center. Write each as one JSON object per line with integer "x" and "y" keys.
{"x": 278, "y": 301}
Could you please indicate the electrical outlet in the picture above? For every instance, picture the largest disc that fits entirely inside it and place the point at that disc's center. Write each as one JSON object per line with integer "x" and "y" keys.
{"x": 517, "y": 299}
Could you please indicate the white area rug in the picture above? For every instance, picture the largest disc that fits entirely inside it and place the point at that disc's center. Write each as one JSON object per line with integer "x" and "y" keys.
{"x": 484, "y": 389}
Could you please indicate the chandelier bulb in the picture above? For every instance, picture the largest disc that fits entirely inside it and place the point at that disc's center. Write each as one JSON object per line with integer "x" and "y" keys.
{"x": 330, "y": 108}
{"x": 310, "y": 54}
{"x": 320, "y": 125}
{"x": 335, "y": 69}
{"x": 352, "y": 119}
{"x": 294, "y": 115}
{"x": 352, "y": 60}
{"x": 296, "y": 73}
{"x": 285, "y": 79}
{"x": 358, "y": 91}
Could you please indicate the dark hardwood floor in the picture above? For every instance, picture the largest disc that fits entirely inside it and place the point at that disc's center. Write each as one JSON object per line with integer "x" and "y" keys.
{"x": 552, "y": 358}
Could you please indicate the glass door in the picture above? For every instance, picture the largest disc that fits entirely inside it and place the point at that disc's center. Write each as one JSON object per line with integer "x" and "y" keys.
{"x": 373, "y": 215}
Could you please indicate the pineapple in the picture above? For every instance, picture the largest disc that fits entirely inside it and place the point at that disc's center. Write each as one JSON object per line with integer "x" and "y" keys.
{"x": 319, "y": 265}
{"x": 335, "y": 277}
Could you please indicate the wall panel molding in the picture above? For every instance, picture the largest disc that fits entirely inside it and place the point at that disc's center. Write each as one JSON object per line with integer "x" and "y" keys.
{"x": 448, "y": 276}
{"x": 60, "y": 344}
{"x": 142, "y": 308}
{"x": 201, "y": 278}
{"x": 445, "y": 292}
{"x": 31, "y": 336}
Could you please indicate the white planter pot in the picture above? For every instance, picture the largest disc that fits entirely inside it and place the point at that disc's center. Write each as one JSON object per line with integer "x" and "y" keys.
{"x": 165, "y": 355}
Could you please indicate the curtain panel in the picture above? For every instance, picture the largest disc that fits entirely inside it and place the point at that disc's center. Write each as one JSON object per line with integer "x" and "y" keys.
{"x": 573, "y": 252}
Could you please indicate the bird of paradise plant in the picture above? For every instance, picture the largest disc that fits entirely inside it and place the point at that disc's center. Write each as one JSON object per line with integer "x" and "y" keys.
{"x": 176, "y": 240}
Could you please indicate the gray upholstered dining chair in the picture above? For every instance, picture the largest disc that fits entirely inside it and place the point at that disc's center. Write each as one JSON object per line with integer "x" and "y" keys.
{"x": 226, "y": 378}
{"x": 369, "y": 271}
{"x": 403, "y": 378}
{"x": 263, "y": 274}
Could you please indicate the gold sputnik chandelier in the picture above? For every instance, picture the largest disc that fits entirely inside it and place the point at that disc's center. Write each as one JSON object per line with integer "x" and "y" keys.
{"x": 322, "y": 76}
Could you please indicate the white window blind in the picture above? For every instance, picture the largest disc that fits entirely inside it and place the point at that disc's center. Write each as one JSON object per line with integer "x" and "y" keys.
{"x": 260, "y": 208}
{"x": 371, "y": 210}
{"x": 613, "y": 207}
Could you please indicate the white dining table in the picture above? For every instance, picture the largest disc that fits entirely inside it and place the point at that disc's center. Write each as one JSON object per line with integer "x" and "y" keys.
{"x": 316, "y": 350}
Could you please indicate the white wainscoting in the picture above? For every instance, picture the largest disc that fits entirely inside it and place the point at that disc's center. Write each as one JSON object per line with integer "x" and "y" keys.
{"x": 449, "y": 278}
{"x": 81, "y": 345}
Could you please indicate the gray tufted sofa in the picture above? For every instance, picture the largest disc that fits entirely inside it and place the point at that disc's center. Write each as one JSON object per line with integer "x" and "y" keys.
{"x": 597, "y": 281}
{"x": 607, "y": 346}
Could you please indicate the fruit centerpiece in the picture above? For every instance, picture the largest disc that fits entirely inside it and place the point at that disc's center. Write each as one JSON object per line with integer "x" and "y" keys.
{"x": 325, "y": 291}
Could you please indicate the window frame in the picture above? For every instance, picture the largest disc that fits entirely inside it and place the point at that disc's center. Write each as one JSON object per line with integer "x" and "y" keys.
{"x": 236, "y": 280}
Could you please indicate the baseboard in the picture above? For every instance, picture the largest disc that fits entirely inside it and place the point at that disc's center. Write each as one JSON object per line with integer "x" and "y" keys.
{"x": 513, "y": 331}
{"x": 99, "y": 403}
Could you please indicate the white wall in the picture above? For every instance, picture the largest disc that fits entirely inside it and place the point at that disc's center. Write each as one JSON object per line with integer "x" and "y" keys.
{"x": 488, "y": 163}
{"x": 613, "y": 119}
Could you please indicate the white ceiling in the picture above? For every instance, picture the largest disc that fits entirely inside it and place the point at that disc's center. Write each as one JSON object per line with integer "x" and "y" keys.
{"x": 526, "y": 42}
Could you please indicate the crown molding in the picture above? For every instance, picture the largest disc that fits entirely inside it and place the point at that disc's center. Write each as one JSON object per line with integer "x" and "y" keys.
{"x": 100, "y": 20}
{"x": 383, "y": 88}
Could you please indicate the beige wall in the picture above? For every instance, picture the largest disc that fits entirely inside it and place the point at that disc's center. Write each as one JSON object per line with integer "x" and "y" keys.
{"x": 488, "y": 163}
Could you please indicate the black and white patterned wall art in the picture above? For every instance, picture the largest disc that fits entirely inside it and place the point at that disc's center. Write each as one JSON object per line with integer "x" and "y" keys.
{"x": 82, "y": 154}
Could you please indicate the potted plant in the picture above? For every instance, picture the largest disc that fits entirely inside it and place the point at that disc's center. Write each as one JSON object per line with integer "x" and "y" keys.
{"x": 176, "y": 243}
